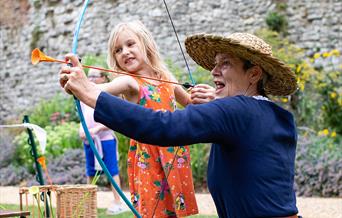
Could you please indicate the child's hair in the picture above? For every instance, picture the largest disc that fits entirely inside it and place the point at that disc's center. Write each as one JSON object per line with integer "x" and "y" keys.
{"x": 148, "y": 47}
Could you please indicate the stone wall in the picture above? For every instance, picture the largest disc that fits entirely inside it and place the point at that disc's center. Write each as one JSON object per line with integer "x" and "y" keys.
{"x": 48, "y": 24}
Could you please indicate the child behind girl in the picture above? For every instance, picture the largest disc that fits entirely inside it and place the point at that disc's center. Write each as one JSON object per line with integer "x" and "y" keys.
{"x": 160, "y": 178}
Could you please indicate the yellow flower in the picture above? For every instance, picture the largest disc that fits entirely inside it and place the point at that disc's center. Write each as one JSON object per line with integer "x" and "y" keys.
{"x": 301, "y": 86}
{"x": 335, "y": 52}
{"x": 323, "y": 132}
{"x": 317, "y": 55}
{"x": 312, "y": 60}
{"x": 326, "y": 54}
{"x": 284, "y": 100}
{"x": 155, "y": 96}
{"x": 298, "y": 69}
{"x": 339, "y": 101}
{"x": 333, "y": 134}
{"x": 333, "y": 95}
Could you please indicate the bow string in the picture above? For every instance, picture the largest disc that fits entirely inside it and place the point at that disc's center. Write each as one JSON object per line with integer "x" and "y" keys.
{"x": 189, "y": 85}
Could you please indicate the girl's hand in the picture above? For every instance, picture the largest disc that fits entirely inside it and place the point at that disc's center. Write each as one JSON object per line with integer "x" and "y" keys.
{"x": 202, "y": 93}
{"x": 82, "y": 136}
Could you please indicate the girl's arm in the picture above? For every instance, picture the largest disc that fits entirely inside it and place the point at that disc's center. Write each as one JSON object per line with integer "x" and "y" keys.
{"x": 182, "y": 97}
{"x": 122, "y": 85}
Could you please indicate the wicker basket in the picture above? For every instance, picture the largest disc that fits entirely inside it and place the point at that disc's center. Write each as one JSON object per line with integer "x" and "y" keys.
{"x": 71, "y": 201}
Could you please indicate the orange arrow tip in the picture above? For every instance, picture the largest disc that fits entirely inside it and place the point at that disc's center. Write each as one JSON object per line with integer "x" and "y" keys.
{"x": 38, "y": 56}
{"x": 35, "y": 56}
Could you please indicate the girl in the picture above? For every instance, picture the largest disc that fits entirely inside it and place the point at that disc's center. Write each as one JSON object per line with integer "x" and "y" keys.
{"x": 160, "y": 179}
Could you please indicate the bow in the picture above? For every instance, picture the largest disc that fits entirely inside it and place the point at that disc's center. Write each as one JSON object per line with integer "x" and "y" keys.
{"x": 85, "y": 128}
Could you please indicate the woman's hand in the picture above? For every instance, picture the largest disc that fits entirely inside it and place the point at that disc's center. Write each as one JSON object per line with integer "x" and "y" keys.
{"x": 74, "y": 81}
{"x": 202, "y": 93}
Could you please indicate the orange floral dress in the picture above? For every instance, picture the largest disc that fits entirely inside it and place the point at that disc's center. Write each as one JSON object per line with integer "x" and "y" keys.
{"x": 160, "y": 178}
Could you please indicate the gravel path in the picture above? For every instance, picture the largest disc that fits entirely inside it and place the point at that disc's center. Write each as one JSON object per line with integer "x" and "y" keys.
{"x": 308, "y": 207}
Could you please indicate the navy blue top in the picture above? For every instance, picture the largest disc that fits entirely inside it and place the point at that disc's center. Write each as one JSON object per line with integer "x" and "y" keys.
{"x": 251, "y": 164}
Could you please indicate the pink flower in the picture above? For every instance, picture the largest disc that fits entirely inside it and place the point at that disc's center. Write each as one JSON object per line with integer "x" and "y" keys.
{"x": 146, "y": 92}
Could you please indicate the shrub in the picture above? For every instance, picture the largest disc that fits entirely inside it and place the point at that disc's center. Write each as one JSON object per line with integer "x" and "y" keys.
{"x": 199, "y": 161}
{"x": 60, "y": 139}
{"x": 318, "y": 165}
{"x": 54, "y": 111}
{"x": 123, "y": 152}
{"x": 11, "y": 175}
{"x": 276, "y": 22}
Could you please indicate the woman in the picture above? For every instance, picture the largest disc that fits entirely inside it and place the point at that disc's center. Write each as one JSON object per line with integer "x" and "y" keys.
{"x": 251, "y": 164}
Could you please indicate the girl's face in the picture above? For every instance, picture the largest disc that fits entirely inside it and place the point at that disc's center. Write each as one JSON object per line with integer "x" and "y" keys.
{"x": 128, "y": 53}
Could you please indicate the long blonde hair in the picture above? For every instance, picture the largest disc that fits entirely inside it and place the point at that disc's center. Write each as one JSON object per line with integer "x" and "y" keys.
{"x": 148, "y": 46}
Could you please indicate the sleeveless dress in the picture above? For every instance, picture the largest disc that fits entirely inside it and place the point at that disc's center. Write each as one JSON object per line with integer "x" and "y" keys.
{"x": 160, "y": 178}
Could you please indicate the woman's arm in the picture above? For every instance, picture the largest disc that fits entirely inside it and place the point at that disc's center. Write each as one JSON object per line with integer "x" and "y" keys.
{"x": 196, "y": 123}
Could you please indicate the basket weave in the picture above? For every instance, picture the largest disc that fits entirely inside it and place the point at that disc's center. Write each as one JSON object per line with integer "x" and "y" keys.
{"x": 72, "y": 201}
{"x": 76, "y": 201}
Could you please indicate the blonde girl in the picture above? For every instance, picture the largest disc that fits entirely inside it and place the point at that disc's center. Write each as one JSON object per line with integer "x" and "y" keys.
{"x": 160, "y": 178}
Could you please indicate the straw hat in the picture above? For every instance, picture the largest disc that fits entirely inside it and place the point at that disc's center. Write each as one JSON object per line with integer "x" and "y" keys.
{"x": 203, "y": 48}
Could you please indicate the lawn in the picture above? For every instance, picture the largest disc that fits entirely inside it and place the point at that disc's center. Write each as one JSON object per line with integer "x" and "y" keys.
{"x": 101, "y": 213}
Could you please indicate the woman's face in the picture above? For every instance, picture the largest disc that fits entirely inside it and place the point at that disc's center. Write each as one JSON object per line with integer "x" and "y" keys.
{"x": 128, "y": 53}
{"x": 229, "y": 76}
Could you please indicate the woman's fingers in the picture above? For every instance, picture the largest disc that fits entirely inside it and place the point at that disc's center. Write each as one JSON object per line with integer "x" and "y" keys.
{"x": 74, "y": 60}
{"x": 69, "y": 77}
{"x": 202, "y": 93}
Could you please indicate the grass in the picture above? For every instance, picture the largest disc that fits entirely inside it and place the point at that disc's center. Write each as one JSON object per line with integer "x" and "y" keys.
{"x": 101, "y": 213}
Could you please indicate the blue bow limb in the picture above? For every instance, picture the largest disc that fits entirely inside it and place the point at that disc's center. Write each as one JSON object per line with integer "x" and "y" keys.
{"x": 85, "y": 128}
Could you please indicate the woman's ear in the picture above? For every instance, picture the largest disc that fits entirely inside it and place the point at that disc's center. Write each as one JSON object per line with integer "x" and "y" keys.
{"x": 255, "y": 74}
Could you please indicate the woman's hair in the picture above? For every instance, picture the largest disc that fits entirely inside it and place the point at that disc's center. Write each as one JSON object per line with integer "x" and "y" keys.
{"x": 261, "y": 83}
{"x": 147, "y": 45}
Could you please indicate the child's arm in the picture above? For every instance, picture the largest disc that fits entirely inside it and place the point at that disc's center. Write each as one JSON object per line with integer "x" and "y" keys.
{"x": 124, "y": 85}
{"x": 182, "y": 97}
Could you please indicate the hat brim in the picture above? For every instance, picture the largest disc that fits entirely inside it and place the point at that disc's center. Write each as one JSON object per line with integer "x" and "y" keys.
{"x": 203, "y": 48}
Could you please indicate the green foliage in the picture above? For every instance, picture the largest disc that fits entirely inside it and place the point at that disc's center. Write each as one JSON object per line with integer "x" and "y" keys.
{"x": 97, "y": 61}
{"x": 329, "y": 86}
{"x": 281, "y": 6}
{"x": 200, "y": 75}
{"x": 54, "y": 111}
{"x": 60, "y": 138}
{"x": 35, "y": 37}
{"x": 320, "y": 143}
{"x": 276, "y": 22}
{"x": 318, "y": 163}
{"x": 199, "y": 161}
{"x": 123, "y": 152}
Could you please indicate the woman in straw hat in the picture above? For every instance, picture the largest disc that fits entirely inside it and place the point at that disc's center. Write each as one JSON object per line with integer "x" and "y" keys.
{"x": 251, "y": 164}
